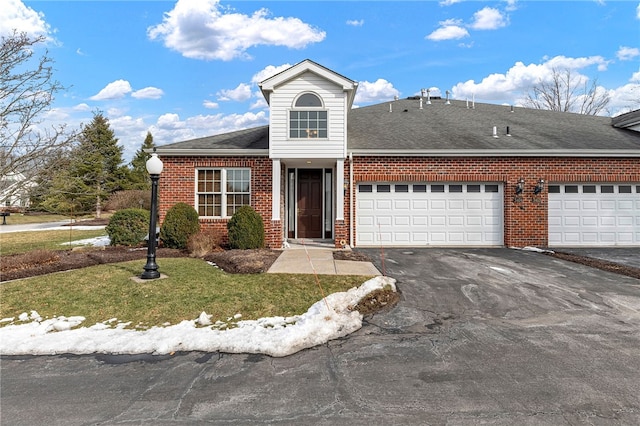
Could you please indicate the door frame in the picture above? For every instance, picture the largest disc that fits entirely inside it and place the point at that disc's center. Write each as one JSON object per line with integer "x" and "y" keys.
{"x": 328, "y": 202}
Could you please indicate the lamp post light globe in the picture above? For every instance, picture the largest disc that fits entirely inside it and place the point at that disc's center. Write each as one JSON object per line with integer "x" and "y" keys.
{"x": 154, "y": 167}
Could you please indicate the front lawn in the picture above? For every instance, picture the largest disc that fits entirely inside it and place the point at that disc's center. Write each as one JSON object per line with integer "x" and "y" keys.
{"x": 22, "y": 242}
{"x": 103, "y": 292}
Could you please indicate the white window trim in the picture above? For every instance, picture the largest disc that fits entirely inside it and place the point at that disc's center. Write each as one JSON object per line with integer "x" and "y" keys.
{"x": 223, "y": 189}
{"x": 307, "y": 109}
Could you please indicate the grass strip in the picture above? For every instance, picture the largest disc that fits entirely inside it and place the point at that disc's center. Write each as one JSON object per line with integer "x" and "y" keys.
{"x": 22, "y": 242}
{"x": 102, "y": 292}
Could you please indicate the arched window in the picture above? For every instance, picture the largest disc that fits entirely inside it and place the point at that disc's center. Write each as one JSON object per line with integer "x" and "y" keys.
{"x": 308, "y": 119}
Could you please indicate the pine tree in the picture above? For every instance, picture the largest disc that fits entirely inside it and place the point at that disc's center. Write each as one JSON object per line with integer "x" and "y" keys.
{"x": 139, "y": 177}
{"x": 95, "y": 171}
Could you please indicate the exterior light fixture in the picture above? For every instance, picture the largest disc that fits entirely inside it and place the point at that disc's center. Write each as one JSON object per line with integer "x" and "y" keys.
{"x": 539, "y": 187}
{"x": 520, "y": 186}
{"x": 154, "y": 168}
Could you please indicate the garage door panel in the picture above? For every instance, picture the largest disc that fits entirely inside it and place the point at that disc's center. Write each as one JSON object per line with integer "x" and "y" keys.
{"x": 606, "y": 218}
{"x": 429, "y": 217}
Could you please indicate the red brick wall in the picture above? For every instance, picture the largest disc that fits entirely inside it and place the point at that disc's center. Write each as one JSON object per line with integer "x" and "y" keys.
{"x": 177, "y": 184}
{"x": 525, "y": 222}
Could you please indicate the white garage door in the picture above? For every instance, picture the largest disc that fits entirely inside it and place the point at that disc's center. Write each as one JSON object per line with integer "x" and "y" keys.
{"x": 438, "y": 214}
{"x": 594, "y": 215}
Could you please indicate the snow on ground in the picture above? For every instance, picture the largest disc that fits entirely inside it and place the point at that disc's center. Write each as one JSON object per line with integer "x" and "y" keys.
{"x": 327, "y": 319}
{"x": 96, "y": 242}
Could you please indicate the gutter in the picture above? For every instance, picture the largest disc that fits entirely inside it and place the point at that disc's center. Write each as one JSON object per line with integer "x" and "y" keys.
{"x": 351, "y": 214}
{"x": 496, "y": 153}
{"x": 185, "y": 152}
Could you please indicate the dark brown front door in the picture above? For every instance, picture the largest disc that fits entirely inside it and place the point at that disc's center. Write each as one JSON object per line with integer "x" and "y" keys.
{"x": 309, "y": 203}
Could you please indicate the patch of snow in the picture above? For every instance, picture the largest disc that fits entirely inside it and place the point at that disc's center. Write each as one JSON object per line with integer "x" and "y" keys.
{"x": 327, "y": 319}
{"x": 96, "y": 242}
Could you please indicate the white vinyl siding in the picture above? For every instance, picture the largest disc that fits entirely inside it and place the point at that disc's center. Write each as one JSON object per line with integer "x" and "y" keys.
{"x": 591, "y": 215}
{"x": 436, "y": 214}
{"x": 281, "y": 104}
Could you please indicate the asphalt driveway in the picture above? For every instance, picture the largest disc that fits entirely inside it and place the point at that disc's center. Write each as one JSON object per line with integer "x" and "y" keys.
{"x": 481, "y": 336}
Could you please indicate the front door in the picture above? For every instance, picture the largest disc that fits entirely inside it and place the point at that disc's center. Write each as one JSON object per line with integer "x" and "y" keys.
{"x": 309, "y": 203}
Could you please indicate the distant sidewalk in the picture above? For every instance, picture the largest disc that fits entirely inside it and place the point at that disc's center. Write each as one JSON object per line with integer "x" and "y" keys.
{"x": 301, "y": 261}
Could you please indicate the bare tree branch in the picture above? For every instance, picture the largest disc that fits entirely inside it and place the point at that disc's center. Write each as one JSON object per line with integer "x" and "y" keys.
{"x": 27, "y": 91}
{"x": 567, "y": 92}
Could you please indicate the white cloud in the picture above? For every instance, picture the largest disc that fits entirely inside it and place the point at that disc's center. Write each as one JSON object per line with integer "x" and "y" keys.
{"x": 627, "y": 53}
{"x": 380, "y": 90}
{"x": 635, "y": 77}
{"x": 511, "y": 5}
{"x": 82, "y": 107}
{"x": 239, "y": 94}
{"x": 205, "y": 30}
{"x": 488, "y": 18}
{"x": 519, "y": 78}
{"x": 14, "y": 15}
{"x": 624, "y": 98}
{"x": 115, "y": 90}
{"x": 449, "y": 2}
{"x": 638, "y": 11}
{"x": 450, "y": 29}
{"x": 355, "y": 22}
{"x": 209, "y": 104}
{"x": 268, "y": 71}
{"x": 148, "y": 93}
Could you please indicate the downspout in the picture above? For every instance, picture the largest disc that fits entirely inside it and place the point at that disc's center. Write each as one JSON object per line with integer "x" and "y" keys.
{"x": 351, "y": 199}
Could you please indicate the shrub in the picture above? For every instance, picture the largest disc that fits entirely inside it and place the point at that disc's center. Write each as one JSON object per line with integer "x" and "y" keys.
{"x": 246, "y": 230}
{"x": 180, "y": 223}
{"x": 128, "y": 227}
{"x": 129, "y": 199}
{"x": 203, "y": 243}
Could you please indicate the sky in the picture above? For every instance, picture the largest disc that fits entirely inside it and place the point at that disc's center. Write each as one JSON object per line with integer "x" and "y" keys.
{"x": 327, "y": 319}
{"x": 190, "y": 68}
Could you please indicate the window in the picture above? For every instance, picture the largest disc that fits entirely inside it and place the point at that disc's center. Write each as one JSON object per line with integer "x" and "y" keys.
{"x": 383, "y": 188}
{"x": 589, "y": 189}
{"x": 473, "y": 188}
{"x": 402, "y": 188}
{"x": 437, "y": 188}
{"x": 571, "y": 189}
{"x": 220, "y": 192}
{"x": 554, "y": 189}
{"x": 365, "y": 188}
{"x": 307, "y": 120}
{"x": 606, "y": 189}
{"x": 491, "y": 188}
{"x": 419, "y": 188}
{"x": 455, "y": 188}
{"x": 624, "y": 189}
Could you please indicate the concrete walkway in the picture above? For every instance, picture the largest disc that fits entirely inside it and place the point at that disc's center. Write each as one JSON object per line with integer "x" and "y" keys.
{"x": 301, "y": 260}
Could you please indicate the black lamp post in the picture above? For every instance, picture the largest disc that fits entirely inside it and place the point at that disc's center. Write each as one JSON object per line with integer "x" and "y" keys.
{"x": 154, "y": 167}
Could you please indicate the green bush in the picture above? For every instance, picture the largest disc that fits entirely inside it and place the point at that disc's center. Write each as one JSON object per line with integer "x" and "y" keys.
{"x": 180, "y": 223}
{"x": 246, "y": 230}
{"x": 128, "y": 227}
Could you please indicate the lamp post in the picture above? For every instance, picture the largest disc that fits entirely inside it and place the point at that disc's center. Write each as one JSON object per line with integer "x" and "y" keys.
{"x": 154, "y": 167}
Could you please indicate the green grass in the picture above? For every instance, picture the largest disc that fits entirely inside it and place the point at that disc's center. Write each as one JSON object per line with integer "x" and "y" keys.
{"x": 100, "y": 293}
{"x": 21, "y": 219}
{"x": 22, "y": 242}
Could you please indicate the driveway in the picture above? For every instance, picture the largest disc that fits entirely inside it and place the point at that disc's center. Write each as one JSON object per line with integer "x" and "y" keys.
{"x": 481, "y": 336}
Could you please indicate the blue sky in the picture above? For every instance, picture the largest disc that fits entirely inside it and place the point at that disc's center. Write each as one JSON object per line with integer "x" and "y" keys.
{"x": 189, "y": 68}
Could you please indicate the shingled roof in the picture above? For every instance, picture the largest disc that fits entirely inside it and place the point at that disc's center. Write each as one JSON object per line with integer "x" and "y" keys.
{"x": 458, "y": 128}
{"x": 402, "y": 126}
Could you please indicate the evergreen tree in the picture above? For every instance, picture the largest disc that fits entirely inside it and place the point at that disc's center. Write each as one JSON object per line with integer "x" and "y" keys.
{"x": 95, "y": 171}
{"x": 139, "y": 177}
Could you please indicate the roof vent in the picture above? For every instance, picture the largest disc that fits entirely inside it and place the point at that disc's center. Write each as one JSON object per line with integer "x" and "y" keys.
{"x": 495, "y": 131}
{"x": 390, "y": 107}
{"x": 428, "y": 96}
{"x": 420, "y": 103}
{"x": 508, "y": 131}
{"x": 511, "y": 108}
{"x": 447, "y": 102}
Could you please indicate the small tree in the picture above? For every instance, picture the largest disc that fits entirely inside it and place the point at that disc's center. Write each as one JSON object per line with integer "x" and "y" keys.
{"x": 139, "y": 177}
{"x": 567, "y": 92}
{"x": 128, "y": 227}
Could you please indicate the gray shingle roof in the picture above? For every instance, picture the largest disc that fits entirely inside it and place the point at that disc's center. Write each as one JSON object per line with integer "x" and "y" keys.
{"x": 455, "y": 127}
{"x": 253, "y": 138}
